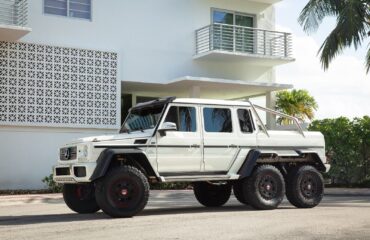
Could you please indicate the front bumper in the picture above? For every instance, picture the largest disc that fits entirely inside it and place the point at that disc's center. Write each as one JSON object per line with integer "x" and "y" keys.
{"x": 73, "y": 173}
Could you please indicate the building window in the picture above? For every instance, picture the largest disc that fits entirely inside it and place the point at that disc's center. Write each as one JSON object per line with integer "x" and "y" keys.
{"x": 232, "y": 18}
{"x": 69, "y": 8}
{"x": 233, "y": 31}
{"x": 245, "y": 121}
{"x": 184, "y": 117}
{"x": 217, "y": 120}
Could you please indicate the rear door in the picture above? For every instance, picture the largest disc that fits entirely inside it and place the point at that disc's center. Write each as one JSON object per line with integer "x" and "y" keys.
{"x": 219, "y": 138}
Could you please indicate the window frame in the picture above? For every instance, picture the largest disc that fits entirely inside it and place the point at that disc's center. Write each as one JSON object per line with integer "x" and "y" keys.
{"x": 254, "y": 16}
{"x": 68, "y": 16}
{"x": 222, "y": 107}
{"x": 254, "y": 129}
{"x": 183, "y": 105}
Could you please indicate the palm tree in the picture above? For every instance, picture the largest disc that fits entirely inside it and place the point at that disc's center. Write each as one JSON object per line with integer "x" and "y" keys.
{"x": 353, "y": 25}
{"x": 297, "y": 103}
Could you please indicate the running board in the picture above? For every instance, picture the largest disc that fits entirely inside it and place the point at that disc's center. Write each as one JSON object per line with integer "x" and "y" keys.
{"x": 195, "y": 178}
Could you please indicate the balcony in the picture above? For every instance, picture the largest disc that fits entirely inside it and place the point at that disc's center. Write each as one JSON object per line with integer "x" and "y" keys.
{"x": 224, "y": 42}
{"x": 13, "y": 20}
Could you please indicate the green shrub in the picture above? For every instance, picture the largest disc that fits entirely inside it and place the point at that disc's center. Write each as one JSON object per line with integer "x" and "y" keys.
{"x": 52, "y": 186}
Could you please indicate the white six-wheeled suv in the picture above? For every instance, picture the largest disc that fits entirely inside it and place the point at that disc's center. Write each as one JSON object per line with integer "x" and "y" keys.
{"x": 217, "y": 145}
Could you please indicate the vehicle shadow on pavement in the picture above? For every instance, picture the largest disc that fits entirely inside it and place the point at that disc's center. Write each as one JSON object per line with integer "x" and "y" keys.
{"x": 74, "y": 217}
{"x": 193, "y": 210}
{"x": 49, "y": 218}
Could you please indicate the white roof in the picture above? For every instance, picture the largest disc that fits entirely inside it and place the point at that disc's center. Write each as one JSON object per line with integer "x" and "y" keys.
{"x": 210, "y": 101}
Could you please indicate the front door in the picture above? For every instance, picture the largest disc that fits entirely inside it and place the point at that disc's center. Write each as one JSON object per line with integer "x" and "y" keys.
{"x": 180, "y": 152}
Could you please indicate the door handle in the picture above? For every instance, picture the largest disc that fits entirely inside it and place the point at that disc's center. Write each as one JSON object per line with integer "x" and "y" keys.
{"x": 232, "y": 146}
{"x": 194, "y": 146}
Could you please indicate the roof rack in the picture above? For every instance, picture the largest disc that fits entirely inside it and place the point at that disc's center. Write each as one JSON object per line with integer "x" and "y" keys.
{"x": 294, "y": 119}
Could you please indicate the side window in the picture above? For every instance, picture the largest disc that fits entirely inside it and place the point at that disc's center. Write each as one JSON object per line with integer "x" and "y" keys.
{"x": 217, "y": 120}
{"x": 184, "y": 117}
{"x": 245, "y": 121}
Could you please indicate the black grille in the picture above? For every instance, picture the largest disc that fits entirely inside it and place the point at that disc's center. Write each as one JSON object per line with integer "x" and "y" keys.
{"x": 62, "y": 171}
{"x": 69, "y": 153}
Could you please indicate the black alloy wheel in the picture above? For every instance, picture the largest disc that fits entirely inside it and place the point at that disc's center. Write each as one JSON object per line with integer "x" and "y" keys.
{"x": 80, "y": 198}
{"x": 123, "y": 192}
{"x": 305, "y": 187}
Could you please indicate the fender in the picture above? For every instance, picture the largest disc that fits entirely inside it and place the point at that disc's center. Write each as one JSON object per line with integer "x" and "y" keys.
{"x": 249, "y": 163}
{"x": 317, "y": 160}
{"x": 106, "y": 157}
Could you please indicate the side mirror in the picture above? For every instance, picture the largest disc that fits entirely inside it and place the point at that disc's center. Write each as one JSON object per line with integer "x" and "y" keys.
{"x": 167, "y": 126}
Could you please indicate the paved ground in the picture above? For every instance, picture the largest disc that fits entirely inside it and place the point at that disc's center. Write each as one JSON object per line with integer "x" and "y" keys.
{"x": 343, "y": 214}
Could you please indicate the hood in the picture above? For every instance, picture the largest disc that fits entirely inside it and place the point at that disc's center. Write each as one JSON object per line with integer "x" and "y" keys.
{"x": 122, "y": 136}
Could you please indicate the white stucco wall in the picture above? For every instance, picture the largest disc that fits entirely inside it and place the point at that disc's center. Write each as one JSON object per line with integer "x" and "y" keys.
{"x": 28, "y": 154}
{"x": 155, "y": 40}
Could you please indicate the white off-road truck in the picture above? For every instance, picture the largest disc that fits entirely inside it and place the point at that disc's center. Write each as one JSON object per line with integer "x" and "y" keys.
{"x": 217, "y": 145}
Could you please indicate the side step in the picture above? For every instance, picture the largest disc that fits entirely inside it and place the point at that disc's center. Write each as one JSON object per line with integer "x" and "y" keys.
{"x": 195, "y": 178}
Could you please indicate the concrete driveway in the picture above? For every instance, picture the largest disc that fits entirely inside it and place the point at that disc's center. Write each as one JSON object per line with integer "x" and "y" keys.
{"x": 343, "y": 214}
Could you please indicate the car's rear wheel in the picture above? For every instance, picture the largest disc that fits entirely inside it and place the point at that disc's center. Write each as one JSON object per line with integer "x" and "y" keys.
{"x": 123, "y": 192}
{"x": 305, "y": 187}
{"x": 80, "y": 198}
{"x": 265, "y": 188}
{"x": 239, "y": 192}
{"x": 212, "y": 195}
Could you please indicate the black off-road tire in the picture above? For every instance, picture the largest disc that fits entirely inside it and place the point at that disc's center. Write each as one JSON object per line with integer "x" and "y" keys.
{"x": 265, "y": 188}
{"x": 80, "y": 198}
{"x": 211, "y": 195}
{"x": 304, "y": 187}
{"x": 123, "y": 192}
{"x": 239, "y": 192}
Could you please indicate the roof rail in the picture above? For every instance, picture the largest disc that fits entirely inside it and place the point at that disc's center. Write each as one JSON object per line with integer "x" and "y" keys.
{"x": 268, "y": 110}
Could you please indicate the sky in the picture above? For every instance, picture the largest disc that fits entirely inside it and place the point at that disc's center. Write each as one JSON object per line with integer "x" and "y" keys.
{"x": 342, "y": 90}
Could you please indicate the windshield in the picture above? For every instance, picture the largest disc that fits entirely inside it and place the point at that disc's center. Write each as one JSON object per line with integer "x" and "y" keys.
{"x": 142, "y": 119}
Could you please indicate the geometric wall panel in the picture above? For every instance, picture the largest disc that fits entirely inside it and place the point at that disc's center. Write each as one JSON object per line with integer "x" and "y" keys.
{"x": 43, "y": 85}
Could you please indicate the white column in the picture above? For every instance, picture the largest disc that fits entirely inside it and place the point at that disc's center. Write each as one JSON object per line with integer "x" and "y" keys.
{"x": 270, "y": 103}
{"x": 194, "y": 92}
{"x": 133, "y": 99}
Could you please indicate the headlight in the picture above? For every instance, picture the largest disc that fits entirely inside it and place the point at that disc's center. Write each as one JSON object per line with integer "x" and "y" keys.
{"x": 83, "y": 151}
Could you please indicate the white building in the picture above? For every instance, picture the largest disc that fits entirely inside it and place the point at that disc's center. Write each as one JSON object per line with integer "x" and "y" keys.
{"x": 72, "y": 68}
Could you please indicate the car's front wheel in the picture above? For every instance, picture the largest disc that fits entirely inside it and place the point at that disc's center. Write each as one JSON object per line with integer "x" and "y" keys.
{"x": 212, "y": 195}
{"x": 123, "y": 192}
{"x": 80, "y": 198}
{"x": 239, "y": 192}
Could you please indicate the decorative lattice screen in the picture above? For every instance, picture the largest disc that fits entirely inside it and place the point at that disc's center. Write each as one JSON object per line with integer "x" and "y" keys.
{"x": 56, "y": 86}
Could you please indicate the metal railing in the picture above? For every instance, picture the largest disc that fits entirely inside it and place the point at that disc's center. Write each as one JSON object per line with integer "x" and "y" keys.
{"x": 13, "y": 12}
{"x": 267, "y": 110}
{"x": 239, "y": 39}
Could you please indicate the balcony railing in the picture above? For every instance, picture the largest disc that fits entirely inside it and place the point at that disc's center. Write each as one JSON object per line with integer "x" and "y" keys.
{"x": 13, "y": 12}
{"x": 243, "y": 40}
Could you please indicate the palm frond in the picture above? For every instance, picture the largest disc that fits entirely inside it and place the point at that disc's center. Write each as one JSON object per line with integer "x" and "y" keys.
{"x": 368, "y": 60}
{"x": 351, "y": 29}
{"x": 315, "y": 11}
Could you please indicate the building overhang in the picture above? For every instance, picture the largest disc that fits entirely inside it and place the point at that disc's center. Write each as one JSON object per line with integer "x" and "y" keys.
{"x": 202, "y": 87}
{"x": 267, "y": 1}
{"x": 13, "y": 33}
{"x": 252, "y": 59}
